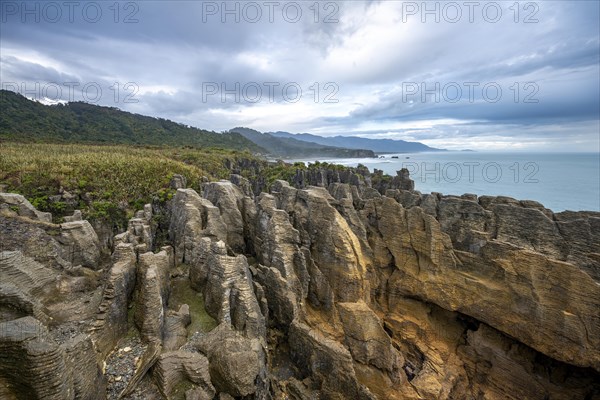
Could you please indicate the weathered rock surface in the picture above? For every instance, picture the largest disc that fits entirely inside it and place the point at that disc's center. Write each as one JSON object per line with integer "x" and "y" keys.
{"x": 80, "y": 243}
{"x": 229, "y": 294}
{"x": 175, "y": 333}
{"x": 22, "y": 207}
{"x": 31, "y": 361}
{"x": 367, "y": 341}
{"x": 193, "y": 218}
{"x": 349, "y": 285}
{"x": 236, "y": 362}
{"x": 139, "y": 231}
{"x": 153, "y": 274}
{"x": 33, "y": 365}
{"x": 229, "y": 199}
{"x": 327, "y": 362}
{"x": 112, "y": 318}
{"x": 177, "y": 367}
{"x": 333, "y": 246}
{"x": 510, "y": 268}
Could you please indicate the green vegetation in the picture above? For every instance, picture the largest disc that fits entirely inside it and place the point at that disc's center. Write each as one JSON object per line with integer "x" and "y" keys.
{"x": 109, "y": 163}
{"x": 105, "y": 182}
{"x": 24, "y": 120}
{"x": 182, "y": 293}
{"x": 111, "y": 182}
{"x": 282, "y": 171}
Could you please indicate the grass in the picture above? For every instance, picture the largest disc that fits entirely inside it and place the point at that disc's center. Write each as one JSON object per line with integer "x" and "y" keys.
{"x": 106, "y": 182}
{"x": 182, "y": 293}
{"x": 111, "y": 182}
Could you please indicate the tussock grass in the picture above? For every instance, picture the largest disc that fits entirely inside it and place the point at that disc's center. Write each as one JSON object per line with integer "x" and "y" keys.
{"x": 103, "y": 179}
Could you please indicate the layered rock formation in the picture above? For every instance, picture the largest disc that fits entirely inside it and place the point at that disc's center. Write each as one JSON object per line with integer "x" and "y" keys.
{"x": 334, "y": 288}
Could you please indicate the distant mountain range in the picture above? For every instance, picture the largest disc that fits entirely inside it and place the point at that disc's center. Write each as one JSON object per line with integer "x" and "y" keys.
{"x": 376, "y": 145}
{"x": 24, "y": 120}
{"x": 290, "y": 147}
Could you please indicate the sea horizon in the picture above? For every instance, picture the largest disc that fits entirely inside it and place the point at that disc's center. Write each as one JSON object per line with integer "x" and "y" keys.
{"x": 561, "y": 181}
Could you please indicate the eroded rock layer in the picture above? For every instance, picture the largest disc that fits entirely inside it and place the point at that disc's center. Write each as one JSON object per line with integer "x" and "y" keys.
{"x": 328, "y": 289}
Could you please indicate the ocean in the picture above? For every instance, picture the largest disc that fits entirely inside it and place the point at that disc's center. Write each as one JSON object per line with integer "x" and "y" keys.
{"x": 560, "y": 181}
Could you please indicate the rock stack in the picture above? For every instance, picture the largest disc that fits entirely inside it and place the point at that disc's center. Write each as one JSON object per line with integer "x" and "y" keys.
{"x": 329, "y": 288}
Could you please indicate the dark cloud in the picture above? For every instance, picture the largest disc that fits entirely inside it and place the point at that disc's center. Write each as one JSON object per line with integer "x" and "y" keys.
{"x": 172, "y": 51}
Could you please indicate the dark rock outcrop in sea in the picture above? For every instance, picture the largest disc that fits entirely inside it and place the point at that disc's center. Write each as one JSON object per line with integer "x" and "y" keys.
{"x": 334, "y": 287}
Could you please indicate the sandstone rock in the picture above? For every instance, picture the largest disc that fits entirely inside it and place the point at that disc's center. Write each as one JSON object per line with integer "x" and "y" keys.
{"x": 281, "y": 301}
{"x": 178, "y": 182}
{"x": 365, "y": 337}
{"x": 75, "y": 217}
{"x": 401, "y": 181}
{"x": 528, "y": 228}
{"x": 111, "y": 320}
{"x": 581, "y": 235}
{"x": 32, "y": 363}
{"x": 407, "y": 198}
{"x": 80, "y": 244}
{"x": 507, "y": 288}
{"x": 23, "y": 207}
{"x": 466, "y": 222}
{"x": 318, "y": 356}
{"x": 322, "y": 229}
{"x": 320, "y": 293}
{"x": 346, "y": 206}
{"x": 14, "y": 304}
{"x": 493, "y": 358}
{"x": 175, "y": 334}
{"x": 175, "y": 367}
{"x": 153, "y": 272}
{"x": 243, "y": 183}
{"x": 228, "y": 198}
{"x": 403, "y": 295}
{"x": 36, "y": 240}
{"x": 285, "y": 276}
{"x": 26, "y": 274}
{"x": 199, "y": 269}
{"x": 428, "y": 337}
{"x": 30, "y": 288}
{"x": 140, "y": 231}
{"x": 235, "y": 361}
{"x": 193, "y": 218}
{"x": 322, "y": 177}
{"x": 229, "y": 295}
{"x": 82, "y": 363}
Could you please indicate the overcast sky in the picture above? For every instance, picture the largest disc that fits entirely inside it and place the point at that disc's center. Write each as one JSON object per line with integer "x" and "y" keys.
{"x": 480, "y": 75}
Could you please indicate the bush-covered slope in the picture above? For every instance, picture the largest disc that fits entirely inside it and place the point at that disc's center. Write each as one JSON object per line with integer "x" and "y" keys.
{"x": 29, "y": 121}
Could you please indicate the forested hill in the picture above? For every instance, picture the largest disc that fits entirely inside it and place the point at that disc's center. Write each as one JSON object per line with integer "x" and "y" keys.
{"x": 292, "y": 148}
{"x": 25, "y": 120}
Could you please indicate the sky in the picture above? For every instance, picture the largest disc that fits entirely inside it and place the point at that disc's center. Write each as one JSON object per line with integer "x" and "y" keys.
{"x": 483, "y": 75}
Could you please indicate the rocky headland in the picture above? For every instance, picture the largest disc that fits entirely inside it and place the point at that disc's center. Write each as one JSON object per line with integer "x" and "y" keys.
{"x": 337, "y": 286}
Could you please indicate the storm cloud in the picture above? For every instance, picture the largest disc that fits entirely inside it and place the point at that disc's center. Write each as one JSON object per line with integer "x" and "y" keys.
{"x": 481, "y": 75}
